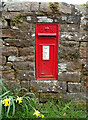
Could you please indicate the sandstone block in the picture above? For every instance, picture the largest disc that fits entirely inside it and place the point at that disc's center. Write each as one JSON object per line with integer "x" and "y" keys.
{"x": 69, "y": 49}
{"x": 18, "y": 42}
{"x": 74, "y": 87}
{"x": 27, "y": 65}
{"x": 8, "y": 75}
{"x": 31, "y": 58}
{"x": 26, "y": 51}
{"x": 43, "y": 97}
{"x": 5, "y": 68}
{"x": 1, "y": 42}
{"x": 83, "y": 37}
{"x": 2, "y": 60}
{"x": 9, "y": 15}
{"x": 84, "y": 84}
{"x": 83, "y": 50}
{"x": 25, "y": 84}
{"x": 17, "y": 6}
{"x": 12, "y": 85}
{"x": 69, "y": 76}
{"x": 34, "y": 6}
{"x": 9, "y": 51}
{"x": 69, "y": 28}
{"x": 69, "y": 36}
{"x": 73, "y": 19}
{"x": 44, "y": 19}
{"x": 77, "y": 97}
{"x": 14, "y": 58}
{"x": 49, "y": 86}
{"x": 25, "y": 75}
{"x": 65, "y": 8}
{"x": 17, "y": 34}
{"x": 44, "y": 7}
{"x": 70, "y": 66}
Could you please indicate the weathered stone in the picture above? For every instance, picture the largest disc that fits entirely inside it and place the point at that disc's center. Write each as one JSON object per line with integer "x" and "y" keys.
{"x": 5, "y": 68}
{"x": 17, "y": 34}
{"x": 43, "y": 97}
{"x": 73, "y": 19}
{"x": 26, "y": 51}
{"x": 28, "y": 18}
{"x": 44, "y": 7}
{"x": 84, "y": 23}
{"x": 1, "y": 42}
{"x": 83, "y": 50}
{"x": 9, "y": 51}
{"x": 10, "y": 64}
{"x": 35, "y": 6}
{"x": 18, "y": 42}
{"x": 25, "y": 26}
{"x": 74, "y": 66}
{"x": 69, "y": 76}
{"x": 18, "y": 6}
{"x": 31, "y": 58}
{"x": 77, "y": 97}
{"x": 74, "y": 87}
{"x": 44, "y": 19}
{"x": 83, "y": 36}
{"x": 3, "y": 24}
{"x": 12, "y": 85}
{"x": 0, "y": 33}
{"x": 0, "y": 24}
{"x": 10, "y": 15}
{"x": 69, "y": 36}
{"x": 70, "y": 66}
{"x": 2, "y": 60}
{"x": 24, "y": 65}
{"x": 80, "y": 9}
{"x": 25, "y": 84}
{"x": 69, "y": 49}
{"x": 65, "y": 8}
{"x": 49, "y": 86}
{"x": 25, "y": 75}
{"x": 84, "y": 84}
{"x": 68, "y": 28}
{"x": 14, "y": 58}
{"x": 0, "y": 6}
{"x": 8, "y": 75}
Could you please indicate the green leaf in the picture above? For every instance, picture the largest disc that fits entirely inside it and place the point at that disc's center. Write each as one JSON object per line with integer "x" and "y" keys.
{"x": 0, "y": 109}
{"x": 4, "y": 94}
{"x": 3, "y": 87}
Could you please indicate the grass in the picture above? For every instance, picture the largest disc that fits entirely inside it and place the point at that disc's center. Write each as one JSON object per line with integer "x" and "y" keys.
{"x": 51, "y": 109}
{"x": 58, "y": 109}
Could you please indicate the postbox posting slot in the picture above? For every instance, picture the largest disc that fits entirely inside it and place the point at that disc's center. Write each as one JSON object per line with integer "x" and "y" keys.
{"x": 47, "y": 34}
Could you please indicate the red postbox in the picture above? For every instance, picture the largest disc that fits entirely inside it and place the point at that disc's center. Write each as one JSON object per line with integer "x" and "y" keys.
{"x": 47, "y": 35}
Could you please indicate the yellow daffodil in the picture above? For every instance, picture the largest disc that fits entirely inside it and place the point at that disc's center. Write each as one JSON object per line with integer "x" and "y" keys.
{"x": 6, "y": 102}
{"x": 37, "y": 113}
{"x": 43, "y": 116}
{"x": 19, "y": 99}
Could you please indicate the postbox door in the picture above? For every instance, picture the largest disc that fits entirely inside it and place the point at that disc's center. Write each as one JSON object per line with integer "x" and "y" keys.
{"x": 46, "y": 60}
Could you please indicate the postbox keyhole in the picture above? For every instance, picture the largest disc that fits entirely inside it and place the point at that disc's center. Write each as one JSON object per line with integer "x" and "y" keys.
{"x": 43, "y": 63}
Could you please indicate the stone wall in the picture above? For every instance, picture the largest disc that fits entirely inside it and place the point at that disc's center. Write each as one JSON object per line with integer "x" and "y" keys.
{"x": 18, "y": 51}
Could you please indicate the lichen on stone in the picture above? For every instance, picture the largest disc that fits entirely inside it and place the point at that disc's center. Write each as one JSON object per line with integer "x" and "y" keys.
{"x": 18, "y": 19}
{"x": 54, "y": 7}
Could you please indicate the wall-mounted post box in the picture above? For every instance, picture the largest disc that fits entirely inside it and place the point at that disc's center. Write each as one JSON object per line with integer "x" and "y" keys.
{"x": 47, "y": 35}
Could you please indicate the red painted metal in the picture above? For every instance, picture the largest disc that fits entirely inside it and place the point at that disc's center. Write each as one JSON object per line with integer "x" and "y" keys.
{"x": 47, "y": 35}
